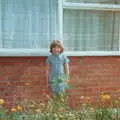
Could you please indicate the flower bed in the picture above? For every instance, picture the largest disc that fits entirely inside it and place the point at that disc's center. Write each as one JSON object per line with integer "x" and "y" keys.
{"x": 57, "y": 108}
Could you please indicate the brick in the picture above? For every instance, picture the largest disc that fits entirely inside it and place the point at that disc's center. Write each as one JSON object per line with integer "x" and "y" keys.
{"x": 90, "y": 76}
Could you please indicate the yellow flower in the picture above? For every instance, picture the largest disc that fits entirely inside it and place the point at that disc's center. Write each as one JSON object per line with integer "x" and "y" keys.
{"x": 118, "y": 90}
{"x": 20, "y": 108}
{"x": 27, "y": 83}
{"x": 38, "y": 110}
{"x": 2, "y": 101}
{"x": 105, "y": 97}
{"x": 13, "y": 109}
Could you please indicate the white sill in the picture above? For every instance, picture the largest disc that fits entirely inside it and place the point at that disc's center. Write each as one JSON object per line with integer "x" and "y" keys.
{"x": 24, "y": 52}
{"x": 91, "y": 6}
{"x": 93, "y": 53}
{"x": 45, "y": 52}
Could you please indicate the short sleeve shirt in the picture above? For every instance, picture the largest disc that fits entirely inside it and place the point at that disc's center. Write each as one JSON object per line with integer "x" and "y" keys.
{"x": 56, "y": 63}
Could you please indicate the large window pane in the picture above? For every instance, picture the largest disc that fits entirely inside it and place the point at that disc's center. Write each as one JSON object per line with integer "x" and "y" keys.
{"x": 28, "y": 23}
{"x": 91, "y": 30}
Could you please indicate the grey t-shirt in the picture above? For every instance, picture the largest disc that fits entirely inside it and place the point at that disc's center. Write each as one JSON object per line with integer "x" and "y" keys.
{"x": 56, "y": 63}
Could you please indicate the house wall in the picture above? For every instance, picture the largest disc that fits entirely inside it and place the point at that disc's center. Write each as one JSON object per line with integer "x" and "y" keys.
{"x": 26, "y": 77}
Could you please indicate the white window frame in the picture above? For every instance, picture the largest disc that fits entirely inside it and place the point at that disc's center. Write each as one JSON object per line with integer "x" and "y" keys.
{"x": 61, "y": 6}
{"x": 87, "y": 6}
{"x": 22, "y": 51}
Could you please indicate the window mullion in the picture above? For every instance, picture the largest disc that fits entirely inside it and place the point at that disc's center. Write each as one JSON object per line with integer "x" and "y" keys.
{"x": 60, "y": 18}
{"x": 1, "y": 24}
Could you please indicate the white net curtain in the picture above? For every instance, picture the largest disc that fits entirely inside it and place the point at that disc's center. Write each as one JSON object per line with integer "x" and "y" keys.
{"x": 27, "y": 23}
{"x": 91, "y": 30}
{"x": 34, "y": 23}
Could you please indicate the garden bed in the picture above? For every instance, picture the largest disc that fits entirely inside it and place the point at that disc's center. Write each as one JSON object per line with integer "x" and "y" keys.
{"x": 57, "y": 108}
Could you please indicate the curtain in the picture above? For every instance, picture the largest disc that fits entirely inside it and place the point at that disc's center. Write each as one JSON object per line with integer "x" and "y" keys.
{"x": 28, "y": 23}
{"x": 90, "y": 30}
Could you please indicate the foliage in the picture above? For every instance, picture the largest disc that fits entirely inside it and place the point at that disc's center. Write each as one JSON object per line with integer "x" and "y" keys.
{"x": 57, "y": 108}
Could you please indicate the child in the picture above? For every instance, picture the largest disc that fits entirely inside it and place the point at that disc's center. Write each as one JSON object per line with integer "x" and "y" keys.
{"x": 58, "y": 68}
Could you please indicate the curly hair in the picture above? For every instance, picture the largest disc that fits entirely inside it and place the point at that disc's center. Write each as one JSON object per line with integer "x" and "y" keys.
{"x": 56, "y": 43}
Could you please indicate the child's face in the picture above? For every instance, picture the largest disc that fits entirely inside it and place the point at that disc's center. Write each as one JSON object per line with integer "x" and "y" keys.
{"x": 56, "y": 50}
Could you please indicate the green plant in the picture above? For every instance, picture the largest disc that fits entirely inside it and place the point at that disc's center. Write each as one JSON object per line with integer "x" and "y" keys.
{"x": 56, "y": 107}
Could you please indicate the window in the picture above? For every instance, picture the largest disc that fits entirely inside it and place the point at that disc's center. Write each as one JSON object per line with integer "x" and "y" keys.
{"x": 82, "y": 25}
{"x": 91, "y": 25}
{"x": 28, "y": 24}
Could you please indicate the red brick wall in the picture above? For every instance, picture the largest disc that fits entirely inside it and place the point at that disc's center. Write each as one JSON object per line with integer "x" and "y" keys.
{"x": 26, "y": 77}
{"x": 94, "y": 75}
{"x": 22, "y": 77}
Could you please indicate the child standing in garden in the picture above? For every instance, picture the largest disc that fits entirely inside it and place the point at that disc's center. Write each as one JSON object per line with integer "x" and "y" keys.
{"x": 58, "y": 68}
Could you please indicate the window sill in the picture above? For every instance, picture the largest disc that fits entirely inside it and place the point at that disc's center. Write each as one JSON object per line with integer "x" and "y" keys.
{"x": 91, "y": 6}
{"x": 93, "y": 53}
{"x": 23, "y": 52}
{"x": 45, "y": 52}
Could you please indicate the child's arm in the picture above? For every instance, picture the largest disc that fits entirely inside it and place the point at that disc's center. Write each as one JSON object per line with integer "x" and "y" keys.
{"x": 66, "y": 68}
